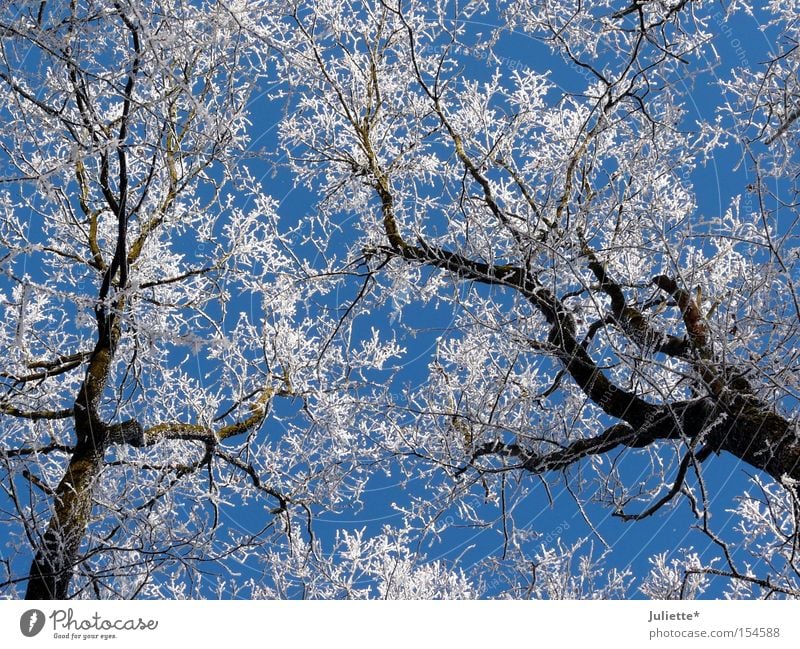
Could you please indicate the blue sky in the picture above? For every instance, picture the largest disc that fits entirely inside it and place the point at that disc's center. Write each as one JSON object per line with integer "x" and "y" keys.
{"x": 633, "y": 543}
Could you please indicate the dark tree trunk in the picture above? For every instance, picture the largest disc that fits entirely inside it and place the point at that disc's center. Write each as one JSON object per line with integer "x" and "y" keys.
{"x": 52, "y": 568}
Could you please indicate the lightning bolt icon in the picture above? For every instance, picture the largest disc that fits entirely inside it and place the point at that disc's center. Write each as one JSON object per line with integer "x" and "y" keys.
{"x": 32, "y": 620}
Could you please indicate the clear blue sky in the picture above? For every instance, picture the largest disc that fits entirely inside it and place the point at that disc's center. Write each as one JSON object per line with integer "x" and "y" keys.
{"x": 633, "y": 543}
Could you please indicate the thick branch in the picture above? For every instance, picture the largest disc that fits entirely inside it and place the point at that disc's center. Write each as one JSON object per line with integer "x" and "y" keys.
{"x": 747, "y": 429}
{"x": 55, "y": 370}
{"x": 692, "y": 317}
{"x": 630, "y": 320}
{"x": 35, "y": 415}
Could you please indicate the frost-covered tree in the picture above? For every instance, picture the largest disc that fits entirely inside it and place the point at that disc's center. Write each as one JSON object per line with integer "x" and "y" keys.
{"x": 605, "y": 327}
{"x": 128, "y": 232}
{"x": 506, "y": 279}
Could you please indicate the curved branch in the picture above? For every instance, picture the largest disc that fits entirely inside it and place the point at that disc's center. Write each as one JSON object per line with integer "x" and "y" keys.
{"x": 35, "y": 415}
{"x": 692, "y": 317}
{"x": 680, "y": 477}
{"x": 631, "y": 321}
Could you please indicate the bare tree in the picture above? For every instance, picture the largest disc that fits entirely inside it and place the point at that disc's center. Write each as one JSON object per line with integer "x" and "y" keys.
{"x": 600, "y": 324}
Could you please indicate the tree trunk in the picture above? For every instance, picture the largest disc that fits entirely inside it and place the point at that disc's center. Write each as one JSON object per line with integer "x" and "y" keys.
{"x": 51, "y": 570}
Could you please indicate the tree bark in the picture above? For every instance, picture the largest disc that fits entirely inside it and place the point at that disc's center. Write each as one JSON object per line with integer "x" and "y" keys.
{"x": 52, "y": 568}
